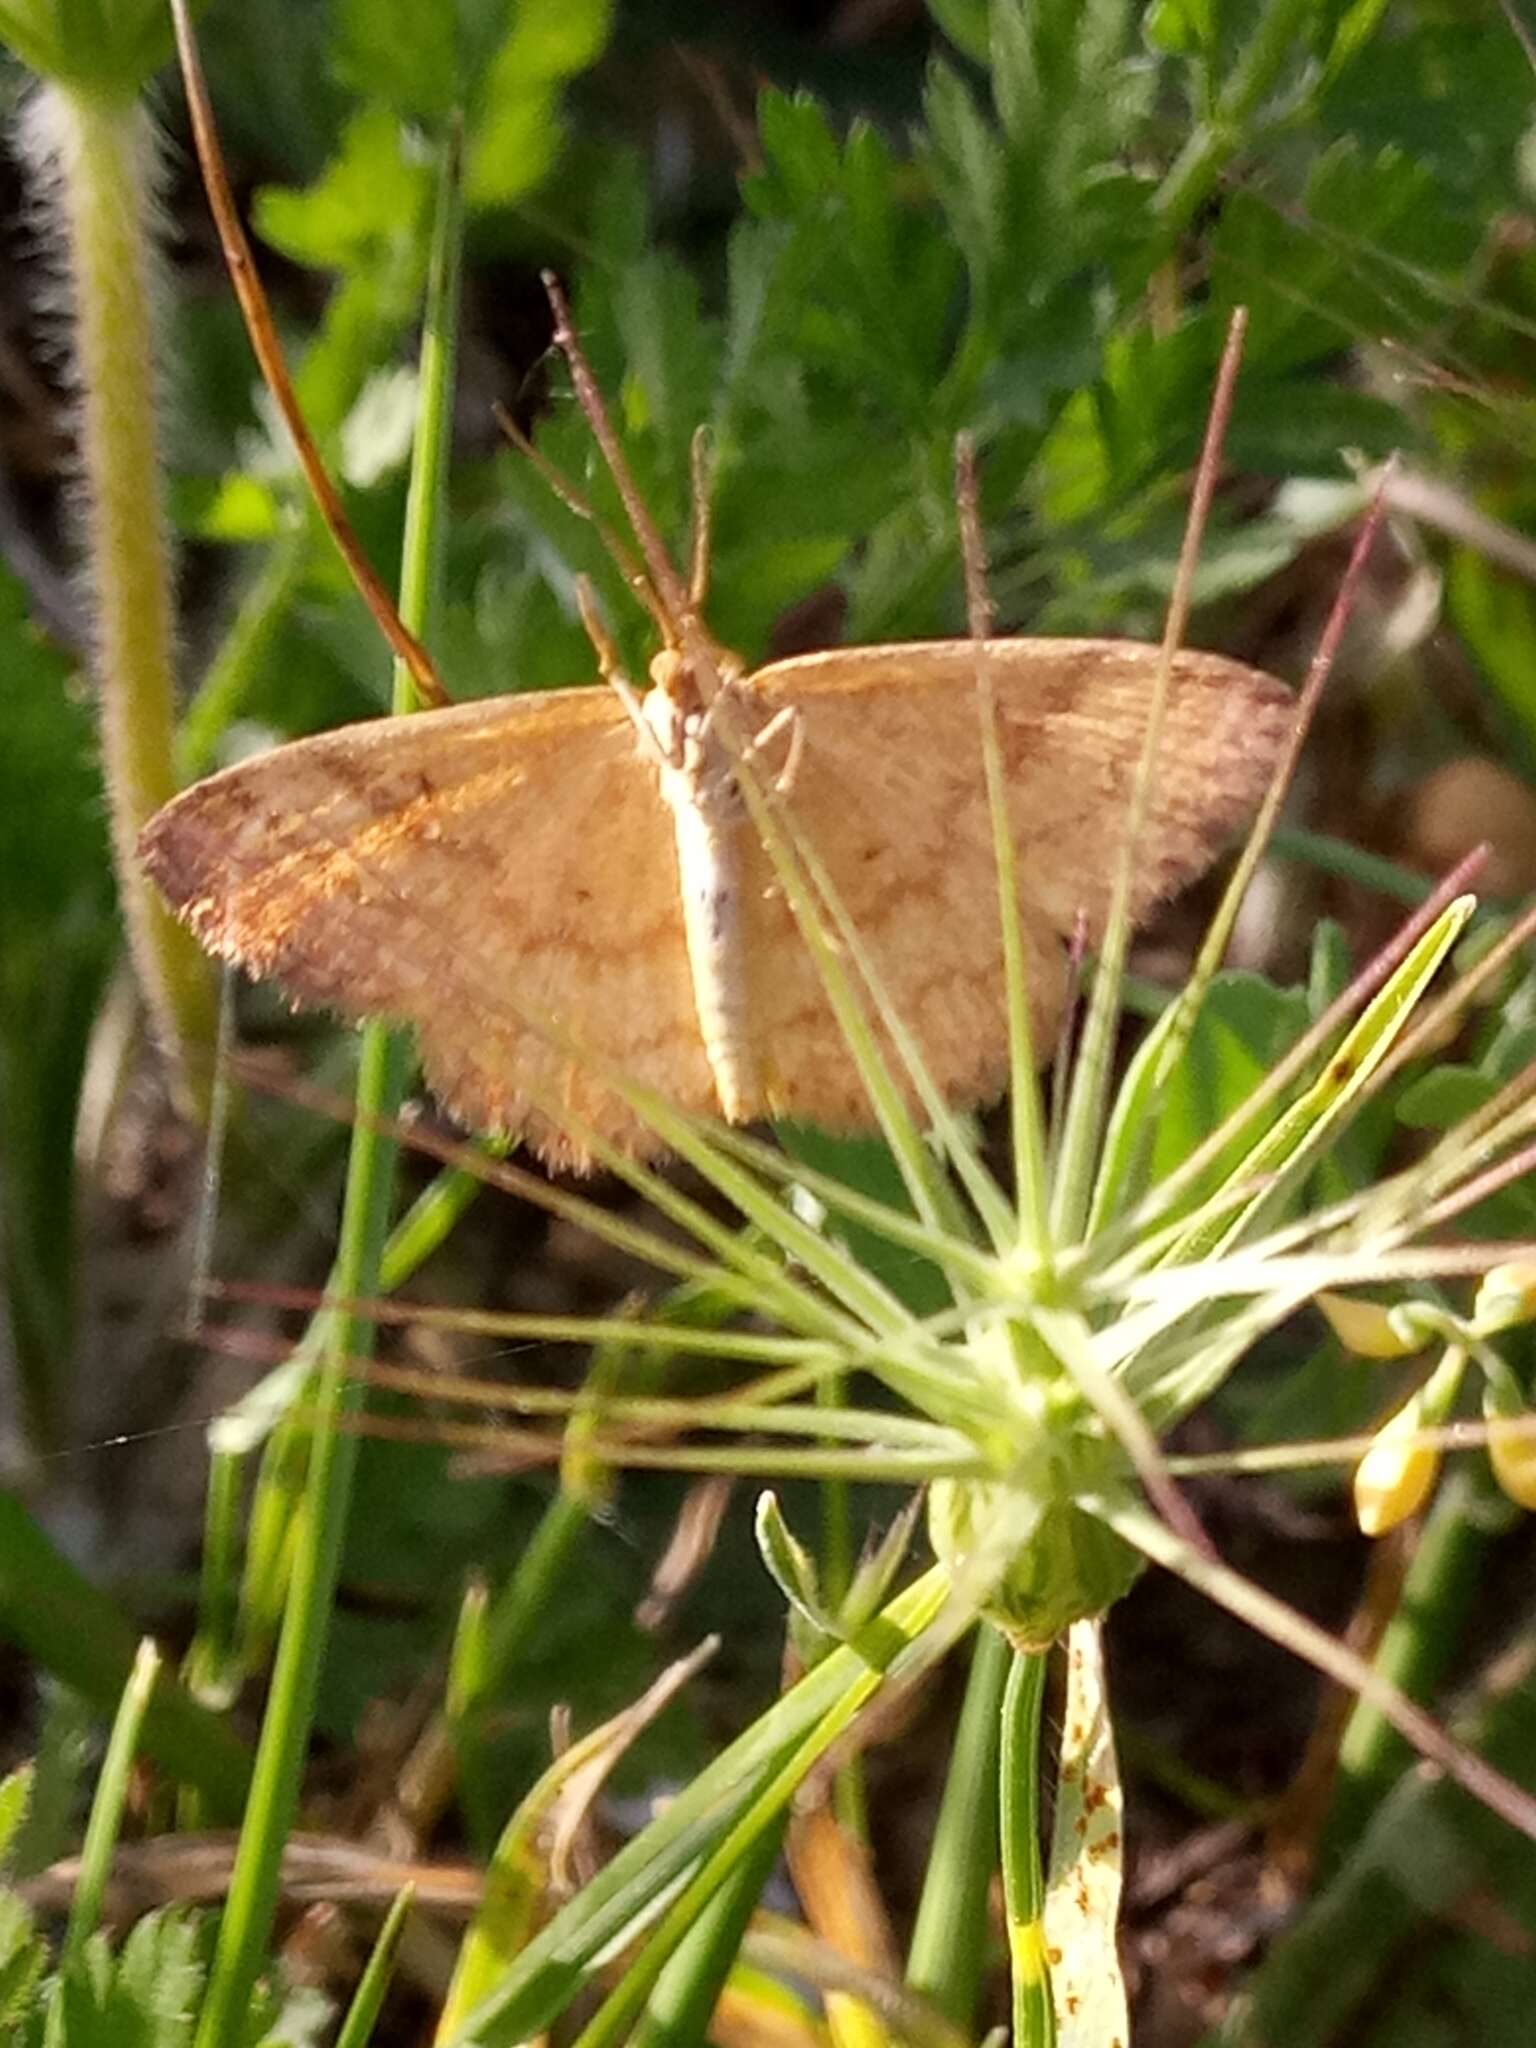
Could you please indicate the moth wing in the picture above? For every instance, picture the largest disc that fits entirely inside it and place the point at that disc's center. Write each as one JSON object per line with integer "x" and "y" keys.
{"x": 466, "y": 871}
{"x": 889, "y": 790}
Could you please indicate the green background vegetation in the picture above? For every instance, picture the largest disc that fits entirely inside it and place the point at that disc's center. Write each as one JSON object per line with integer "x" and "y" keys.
{"x": 836, "y": 236}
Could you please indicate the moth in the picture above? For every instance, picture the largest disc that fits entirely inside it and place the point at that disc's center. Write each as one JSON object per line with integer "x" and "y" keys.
{"x": 583, "y": 858}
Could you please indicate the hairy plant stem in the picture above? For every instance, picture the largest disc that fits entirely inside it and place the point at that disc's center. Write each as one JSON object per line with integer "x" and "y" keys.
{"x": 93, "y": 156}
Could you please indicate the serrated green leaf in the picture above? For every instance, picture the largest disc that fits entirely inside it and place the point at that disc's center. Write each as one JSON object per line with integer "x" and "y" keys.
{"x": 967, "y": 163}
{"x": 968, "y": 24}
{"x": 669, "y": 355}
{"x": 1447, "y": 99}
{"x": 519, "y": 130}
{"x": 1018, "y": 89}
{"x": 1311, "y": 278}
{"x": 408, "y": 57}
{"x": 23, "y": 1959}
{"x": 1181, "y": 28}
{"x": 374, "y": 189}
{"x": 1354, "y": 29}
{"x": 800, "y": 151}
{"x": 159, "y": 1978}
{"x": 869, "y": 182}
{"x": 15, "y": 1798}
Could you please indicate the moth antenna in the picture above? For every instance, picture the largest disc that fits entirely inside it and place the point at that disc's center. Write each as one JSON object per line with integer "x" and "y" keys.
{"x": 658, "y": 562}
{"x": 596, "y": 630}
{"x": 268, "y": 350}
{"x": 980, "y": 612}
{"x": 1207, "y": 474}
{"x": 573, "y": 501}
{"x": 701, "y": 479}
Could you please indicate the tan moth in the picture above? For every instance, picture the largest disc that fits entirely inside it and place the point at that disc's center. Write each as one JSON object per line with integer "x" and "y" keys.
{"x": 599, "y": 869}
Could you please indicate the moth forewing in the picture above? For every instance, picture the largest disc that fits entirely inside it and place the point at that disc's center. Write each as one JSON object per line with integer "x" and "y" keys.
{"x": 889, "y": 792}
{"x": 445, "y": 872}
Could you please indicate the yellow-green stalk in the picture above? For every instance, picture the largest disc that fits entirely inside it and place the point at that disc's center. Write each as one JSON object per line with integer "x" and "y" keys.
{"x": 92, "y": 152}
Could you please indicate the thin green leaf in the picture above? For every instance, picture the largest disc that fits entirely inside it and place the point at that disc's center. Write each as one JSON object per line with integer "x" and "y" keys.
{"x": 107, "y": 1805}
{"x": 628, "y": 1893}
{"x": 790, "y": 1565}
{"x": 356, "y": 2029}
{"x": 1275, "y": 1164}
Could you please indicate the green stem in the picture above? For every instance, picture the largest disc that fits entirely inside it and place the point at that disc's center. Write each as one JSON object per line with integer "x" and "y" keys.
{"x": 1034, "y": 2022}
{"x": 321, "y": 1516}
{"x": 949, "y": 1939}
{"x": 362, "y": 2015}
{"x": 620, "y": 2010}
{"x": 243, "y": 651}
{"x": 450, "y": 1749}
{"x": 848, "y": 1790}
{"x": 210, "y": 1669}
{"x": 111, "y": 1796}
{"x": 1418, "y": 1648}
{"x": 1331, "y": 856}
{"x": 247, "y": 1921}
{"x": 97, "y": 152}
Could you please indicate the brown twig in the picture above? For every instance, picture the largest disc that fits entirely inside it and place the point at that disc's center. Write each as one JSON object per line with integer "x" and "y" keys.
{"x": 268, "y": 350}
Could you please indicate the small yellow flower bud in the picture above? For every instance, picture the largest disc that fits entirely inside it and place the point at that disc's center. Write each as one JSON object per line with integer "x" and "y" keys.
{"x": 1512, "y": 1448}
{"x": 1368, "y": 1328}
{"x": 1393, "y": 1479}
{"x": 1506, "y": 1297}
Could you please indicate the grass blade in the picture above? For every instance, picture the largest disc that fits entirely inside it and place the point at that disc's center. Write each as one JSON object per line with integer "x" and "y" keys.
{"x": 107, "y": 1807}
{"x": 948, "y": 1953}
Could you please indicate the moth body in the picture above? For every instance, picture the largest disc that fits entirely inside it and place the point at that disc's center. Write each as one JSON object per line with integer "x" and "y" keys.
{"x": 698, "y": 783}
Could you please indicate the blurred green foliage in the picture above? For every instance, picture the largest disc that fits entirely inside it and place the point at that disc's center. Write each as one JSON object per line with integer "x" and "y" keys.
{"x": 57, "y": 941}
{"x": 1027, "y": 222}
{"x": 106, "y": 47}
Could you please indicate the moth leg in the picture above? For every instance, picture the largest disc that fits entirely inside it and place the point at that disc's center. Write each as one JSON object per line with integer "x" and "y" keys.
{"x": 786, "y": 719}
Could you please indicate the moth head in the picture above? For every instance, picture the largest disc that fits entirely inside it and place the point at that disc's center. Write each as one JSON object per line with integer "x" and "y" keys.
{"x": 691, "y": 675}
